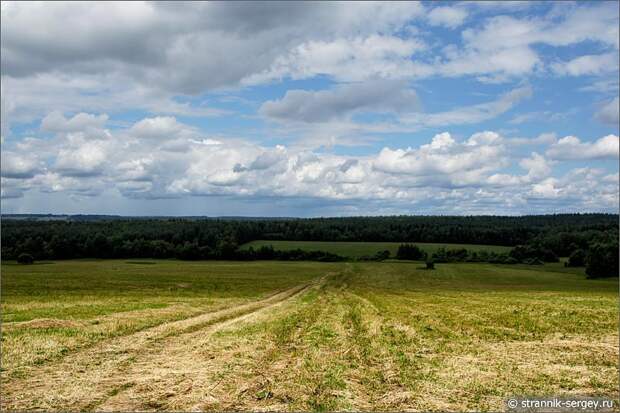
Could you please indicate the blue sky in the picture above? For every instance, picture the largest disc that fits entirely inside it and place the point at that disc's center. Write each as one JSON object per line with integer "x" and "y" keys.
{"x": 309, "y": 109}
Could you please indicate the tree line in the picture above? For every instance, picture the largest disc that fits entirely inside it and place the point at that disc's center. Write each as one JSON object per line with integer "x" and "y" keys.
{"x": 600, "y": 259}
{"x": 540, "y": 238}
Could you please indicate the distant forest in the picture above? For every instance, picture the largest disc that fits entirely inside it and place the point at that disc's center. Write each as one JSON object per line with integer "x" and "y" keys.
{"x": 535, "y": 238}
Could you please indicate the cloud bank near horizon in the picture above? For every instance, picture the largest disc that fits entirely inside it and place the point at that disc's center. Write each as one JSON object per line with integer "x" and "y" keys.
{"x": 309, "y": 108}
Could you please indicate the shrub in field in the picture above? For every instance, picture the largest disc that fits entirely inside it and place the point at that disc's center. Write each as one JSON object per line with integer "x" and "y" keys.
{"x": 267, "y": 252}
{"x": 511, "y": 260}
{"x": 440, "y": 255}
{"x": 577, "y": 258}
{"x": 602, "y": 260}
{"x": 410, "y": 252}
{"x": 430, "y": 265}
{"x": 524, "y": 253}
{"x": 25, "y": 258}
{"x": 325, "y": 257}
{"x": 473, "y": 257}
{"x": 382, "y": 255}
{"x": 379, "y": 256}
{"x": 457, "y": 255}
{"x": 495, "y": 258}
{"x": 533, "y": 261}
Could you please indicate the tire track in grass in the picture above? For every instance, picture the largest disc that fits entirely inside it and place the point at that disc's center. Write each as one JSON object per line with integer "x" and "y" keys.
{"x": 253, "y": 366}
{"x": 86, "y": 378}
{"x": 23, "y": 347}
{"x": 314, "y": 380}
{"x": 176, "y": 374}
{"x": 389, "y": 372}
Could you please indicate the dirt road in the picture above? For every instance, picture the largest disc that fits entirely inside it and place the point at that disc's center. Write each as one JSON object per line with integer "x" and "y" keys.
{"x": 102, "y": 377}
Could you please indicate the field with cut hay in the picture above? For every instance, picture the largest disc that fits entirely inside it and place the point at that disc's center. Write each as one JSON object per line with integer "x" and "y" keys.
{"x": 288, "y": 336}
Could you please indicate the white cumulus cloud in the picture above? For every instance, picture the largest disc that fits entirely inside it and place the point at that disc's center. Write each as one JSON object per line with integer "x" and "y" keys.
{"x": 571, "y": 147}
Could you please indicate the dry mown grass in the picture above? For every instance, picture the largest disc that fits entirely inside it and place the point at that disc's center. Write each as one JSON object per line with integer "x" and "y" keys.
{"x": 51, "y": 310}
{"x": 366, "y": 337}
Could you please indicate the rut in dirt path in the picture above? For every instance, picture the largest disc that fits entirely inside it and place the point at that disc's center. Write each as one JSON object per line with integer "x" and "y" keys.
{"x": 89, "y": 377}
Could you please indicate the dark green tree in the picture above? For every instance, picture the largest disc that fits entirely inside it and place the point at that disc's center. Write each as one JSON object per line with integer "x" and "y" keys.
{"x": 410, "y": 252}
{"x": 25, "y": 258}
{"x": 602, "y": 260}
{"x": 382, "y": 255}
{"x": 577, "y": 258}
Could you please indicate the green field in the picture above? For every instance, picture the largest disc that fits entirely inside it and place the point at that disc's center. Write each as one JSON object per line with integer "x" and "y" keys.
{"x": 359, "y": 249}
{"x": 288, "y": 336}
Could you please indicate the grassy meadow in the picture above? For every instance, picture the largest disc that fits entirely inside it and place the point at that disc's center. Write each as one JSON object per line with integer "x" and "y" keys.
{"x": 51, "y": 308}
{"x": 359, "y": 249}
{"x": 290, "y": 336}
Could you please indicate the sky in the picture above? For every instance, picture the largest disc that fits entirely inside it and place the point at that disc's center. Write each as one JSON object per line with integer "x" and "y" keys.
{"x": 309, "y": 108}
